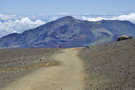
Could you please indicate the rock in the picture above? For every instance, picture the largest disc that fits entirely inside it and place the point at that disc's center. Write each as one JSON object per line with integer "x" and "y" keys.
{"x": 124, "y": 37}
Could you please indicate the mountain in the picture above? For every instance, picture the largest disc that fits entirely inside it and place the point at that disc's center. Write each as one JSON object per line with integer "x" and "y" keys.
{"x": 69, "y": 32}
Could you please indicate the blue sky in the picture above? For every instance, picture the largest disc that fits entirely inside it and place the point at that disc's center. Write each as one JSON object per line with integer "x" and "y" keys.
{"x": 47, "y": 7}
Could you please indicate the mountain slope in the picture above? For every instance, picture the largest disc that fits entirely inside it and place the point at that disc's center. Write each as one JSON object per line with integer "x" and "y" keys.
{"x": 110, "y": 66}
{"x": 103, "y": 67}
{"x": 69, "y": 32}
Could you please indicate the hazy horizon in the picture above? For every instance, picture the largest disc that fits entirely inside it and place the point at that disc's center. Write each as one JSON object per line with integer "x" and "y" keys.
{"x": 72, "y": 7}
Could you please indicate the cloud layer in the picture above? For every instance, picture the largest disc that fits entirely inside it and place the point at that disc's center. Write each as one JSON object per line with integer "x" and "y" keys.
{"x": 17, "y": 24}
{"x": 13, "y": 24}
{"x": 130, "y": 17}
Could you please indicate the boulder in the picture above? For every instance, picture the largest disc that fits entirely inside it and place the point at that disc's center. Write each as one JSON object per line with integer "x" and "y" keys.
{"x": 124, "y": 37}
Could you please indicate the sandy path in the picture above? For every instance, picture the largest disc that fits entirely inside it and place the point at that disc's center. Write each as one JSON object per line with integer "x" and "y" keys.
{"x": 68, "y": 76}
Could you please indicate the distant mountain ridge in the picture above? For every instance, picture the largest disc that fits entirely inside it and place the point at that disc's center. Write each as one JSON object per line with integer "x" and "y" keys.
{"x": 69, "y": 32}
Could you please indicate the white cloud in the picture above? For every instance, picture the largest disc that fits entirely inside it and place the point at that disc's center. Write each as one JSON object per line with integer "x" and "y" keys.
{"x": 130, "y": 17}
{"x": 13, "y": 24}
{"x": 17, "y": 24}
{"x": 92, "y": 19}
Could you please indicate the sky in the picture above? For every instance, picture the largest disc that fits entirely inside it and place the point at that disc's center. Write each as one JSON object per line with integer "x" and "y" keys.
{"x": 17, "y": 16}
{"x": 49, "y": 7}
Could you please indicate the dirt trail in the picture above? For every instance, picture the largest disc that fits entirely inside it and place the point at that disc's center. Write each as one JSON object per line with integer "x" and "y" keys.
{"x": 68, "y": 76}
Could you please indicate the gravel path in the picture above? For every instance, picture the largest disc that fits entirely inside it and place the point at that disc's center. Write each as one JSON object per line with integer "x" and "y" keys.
{"x": 69, "y": 75}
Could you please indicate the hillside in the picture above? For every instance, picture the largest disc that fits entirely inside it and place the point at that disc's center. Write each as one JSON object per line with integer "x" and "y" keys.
{"x": 108, "y": 66}
{"x": 16, "y": 63}
{"x": 111, "y": 65}
{"x": 68, "y": 75}
{"x": 69, "y": 32}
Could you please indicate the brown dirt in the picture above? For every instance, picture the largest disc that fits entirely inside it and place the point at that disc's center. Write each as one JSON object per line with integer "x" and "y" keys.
{"x": 110, "y": 66}
{"x": 69, "y": 75}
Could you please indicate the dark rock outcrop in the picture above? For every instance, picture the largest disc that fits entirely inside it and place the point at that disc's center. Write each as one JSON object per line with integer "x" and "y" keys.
{"x": 124, "y": 37}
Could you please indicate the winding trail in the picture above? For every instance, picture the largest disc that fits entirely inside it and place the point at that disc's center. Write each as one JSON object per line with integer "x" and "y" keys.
{"x": 69, "y": 75}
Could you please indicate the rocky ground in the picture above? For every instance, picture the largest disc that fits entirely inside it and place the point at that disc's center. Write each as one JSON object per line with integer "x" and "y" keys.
{"x": 16, "y": 63}
{"x": 110, "y": 66}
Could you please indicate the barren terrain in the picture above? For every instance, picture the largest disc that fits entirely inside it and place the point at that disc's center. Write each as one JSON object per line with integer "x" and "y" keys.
{"x": 103, "y": 66}
{"x": 69, "y": 75}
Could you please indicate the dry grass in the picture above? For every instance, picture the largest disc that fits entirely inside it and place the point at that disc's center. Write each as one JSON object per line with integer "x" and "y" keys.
{"x": 16, "y": 63}
{"x": 30, "y": 67}
{"x": 111, "y": 65}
